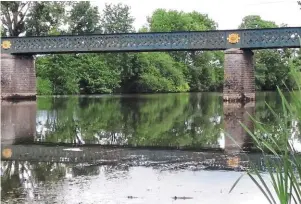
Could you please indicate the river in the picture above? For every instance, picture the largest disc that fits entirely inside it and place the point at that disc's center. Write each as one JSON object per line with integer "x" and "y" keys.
{"x": 151, "y": 148}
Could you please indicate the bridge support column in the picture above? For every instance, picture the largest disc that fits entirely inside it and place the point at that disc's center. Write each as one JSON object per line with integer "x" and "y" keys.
{"x": 239, "y": 84}
{"x": 18, "y": 77}
{"x": 237, "y": 137}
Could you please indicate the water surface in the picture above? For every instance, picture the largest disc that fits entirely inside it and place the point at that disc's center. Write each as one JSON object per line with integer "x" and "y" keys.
{"x": 157, "y": 148}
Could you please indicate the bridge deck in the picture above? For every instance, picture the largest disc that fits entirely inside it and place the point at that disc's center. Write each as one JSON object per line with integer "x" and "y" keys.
{"x": 163, "y": 41}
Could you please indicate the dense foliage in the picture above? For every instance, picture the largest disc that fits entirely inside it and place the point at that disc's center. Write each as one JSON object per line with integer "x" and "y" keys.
{"x": 273, "y": 67}
{"x": 134, "y": 72}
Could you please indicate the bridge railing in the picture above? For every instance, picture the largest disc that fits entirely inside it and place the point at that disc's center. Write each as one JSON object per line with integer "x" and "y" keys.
{"x": 162, "y": 41}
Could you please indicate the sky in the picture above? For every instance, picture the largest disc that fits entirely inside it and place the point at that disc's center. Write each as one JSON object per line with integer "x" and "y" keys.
{"x": 228, "y": 14}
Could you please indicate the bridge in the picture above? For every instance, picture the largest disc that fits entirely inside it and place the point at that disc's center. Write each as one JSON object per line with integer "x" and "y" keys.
{"x": 18, "y": 70}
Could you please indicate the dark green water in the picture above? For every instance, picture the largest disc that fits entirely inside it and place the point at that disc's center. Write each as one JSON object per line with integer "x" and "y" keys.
{"x": 101, "y": 149}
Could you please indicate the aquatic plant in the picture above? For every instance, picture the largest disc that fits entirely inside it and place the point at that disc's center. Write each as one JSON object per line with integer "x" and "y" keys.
{"x": 283, "y": 162}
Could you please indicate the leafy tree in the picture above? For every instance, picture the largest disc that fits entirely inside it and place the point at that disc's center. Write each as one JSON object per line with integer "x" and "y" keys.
{"x": 170, "y": 20}
{"x": 61, "y": 70}
{"x": 71, "y": 74}
{"x": 32, "y": 18}
{"x": 163, "y": 20}
{"x": 205, "y": 69}
{"x": 44, "y": 86}
{"x": 255, "y": 21}
{"x": 13, "y": 16}
{"x": 96, "y": 76}
{"x": 84, "y": 18}
{"x": 3, "y": 31}
{"x": 207, "y": 73}
{"x": 45, "y": 17}
{"x": 272, "y": 66}
{"x": 117, "y": 19}
{"x": 162, "y": 74}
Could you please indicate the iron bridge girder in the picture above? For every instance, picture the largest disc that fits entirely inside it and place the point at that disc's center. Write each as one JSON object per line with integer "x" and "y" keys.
{"x": 272, "y": 38}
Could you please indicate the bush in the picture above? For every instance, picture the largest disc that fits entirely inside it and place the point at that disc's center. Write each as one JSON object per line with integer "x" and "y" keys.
{"x": 44, "y": 86}
{"x": 161, "y": 74}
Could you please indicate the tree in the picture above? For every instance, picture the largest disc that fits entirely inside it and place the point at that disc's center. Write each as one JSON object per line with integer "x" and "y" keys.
{"x": 271, "y": 66}
{"x": 88, "y": 73}
{"x": 161, "y": 74}
{"x": 32, "y": 18}
{"x": 163, "y": 20}
{"x": 84, "y": 18}
{"x": 117, "y": 19}
{"x": 61, "y": 70}
{"x": 45, "y": 17}
{"x": 13, "y": 16}
{"x": 96, "y": 75}
{"x": 207, "y": 73}
{"x": 255, "y": 21}
{"x": 3, "y": 31}
{"x": 202, "y": 74}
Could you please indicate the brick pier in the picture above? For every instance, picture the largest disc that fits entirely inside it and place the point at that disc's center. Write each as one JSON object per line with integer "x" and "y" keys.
{"x": 18, "y": 77}
{"x": 239, "y": 84}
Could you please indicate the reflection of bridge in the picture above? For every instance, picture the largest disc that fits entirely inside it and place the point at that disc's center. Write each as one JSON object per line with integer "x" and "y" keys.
{"x": 19, "y": 124}
{"x": 16, "y": 115}
{"x": 18, "y": 121}
{"x": 132, "y": 157}
{"x": 18, "y": 70}
{"x": 237, "y": 137}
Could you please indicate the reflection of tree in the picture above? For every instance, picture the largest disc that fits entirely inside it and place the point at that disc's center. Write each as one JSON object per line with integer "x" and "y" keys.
{"x": 21, "y": 178}
{"x": 274, "y": 124}
{"x": 154, "y": 117}
{"x": 264, "y": 100}
{"x": 199, "y": 124}
{"x": 147, "y": 120}
{"x": 82, "y": 170}
{"x": 48, "y": 171}
{"x": 10, "y": 180}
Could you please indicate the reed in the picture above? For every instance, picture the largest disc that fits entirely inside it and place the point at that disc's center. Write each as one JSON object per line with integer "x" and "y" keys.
{"x": 284, "y": 166}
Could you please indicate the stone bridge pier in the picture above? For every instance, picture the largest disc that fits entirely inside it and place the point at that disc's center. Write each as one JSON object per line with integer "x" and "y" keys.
{"x": 18, "y": 77}
{"x": 239, "y": 78}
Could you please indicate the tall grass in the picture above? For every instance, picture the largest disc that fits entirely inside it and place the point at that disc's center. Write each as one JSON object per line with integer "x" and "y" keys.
{"x": 284, "y": 167}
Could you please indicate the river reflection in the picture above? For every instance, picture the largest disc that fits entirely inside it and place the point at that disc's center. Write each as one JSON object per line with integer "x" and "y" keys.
{"x": 99, "y": 149}
{"x": 182, "y": 121}
{"x": 165, "y": 120}
{"x": 38, "y": 182}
